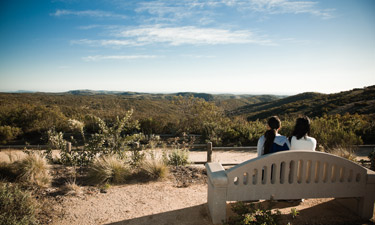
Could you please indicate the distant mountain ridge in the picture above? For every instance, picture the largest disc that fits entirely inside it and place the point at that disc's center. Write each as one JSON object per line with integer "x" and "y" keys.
{"x": 359, "y": 100}
{"x": 252, "y": 107}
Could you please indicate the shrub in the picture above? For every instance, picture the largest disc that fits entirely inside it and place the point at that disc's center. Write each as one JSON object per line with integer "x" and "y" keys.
{"x": 8, "y": 133}
{"x": 108, "y": 169}
{"x": 33, "y": 169}
{"x": 156, "y": 169}
{"x": 178, "y": 157}
{"x": 249, "y": 214}
{"x": 16, "y": 206}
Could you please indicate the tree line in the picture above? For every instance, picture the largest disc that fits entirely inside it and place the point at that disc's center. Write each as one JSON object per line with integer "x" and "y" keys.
{"x": 26, "y": 118}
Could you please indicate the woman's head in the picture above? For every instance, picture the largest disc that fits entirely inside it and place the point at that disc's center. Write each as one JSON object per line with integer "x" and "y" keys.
{"x": 302, "y": 127}
{"x": 274, "y": 125}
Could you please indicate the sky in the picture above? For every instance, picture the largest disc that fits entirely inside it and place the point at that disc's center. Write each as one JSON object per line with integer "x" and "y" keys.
{"x": 164, "y": 46}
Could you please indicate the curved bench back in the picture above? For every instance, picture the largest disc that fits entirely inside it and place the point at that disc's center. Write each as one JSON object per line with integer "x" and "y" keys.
{"x": 295, "y": 175}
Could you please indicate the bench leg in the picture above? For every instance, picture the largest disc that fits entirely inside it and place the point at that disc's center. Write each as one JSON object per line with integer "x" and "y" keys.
{"x": 217, "y": 204}
{"x": 366, "y": 204}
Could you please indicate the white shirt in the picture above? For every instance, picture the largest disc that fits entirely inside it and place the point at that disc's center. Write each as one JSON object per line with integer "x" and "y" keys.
{"x": 305, "y": 143}
{"x": 279, "y": 139}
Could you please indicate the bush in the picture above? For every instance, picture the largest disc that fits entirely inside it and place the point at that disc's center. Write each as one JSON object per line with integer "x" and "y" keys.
{"x": 16, "y": 206}
{"x": 108, "y": 169}
{"x": 249, "y": 214}
{"x": 8, "y": 133}
{"x": 178, "y": 157}
{"x": 156, "y": 169}
{"x": 33, "y": 169}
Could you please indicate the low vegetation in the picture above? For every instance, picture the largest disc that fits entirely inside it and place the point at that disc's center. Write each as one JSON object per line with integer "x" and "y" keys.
{"x": 155, "y": 169}
{"x": 17, "y": 207}
{"x": 33, "y": 169}
{"x": 249, "y": 213}
{"x": 108, "y": 169}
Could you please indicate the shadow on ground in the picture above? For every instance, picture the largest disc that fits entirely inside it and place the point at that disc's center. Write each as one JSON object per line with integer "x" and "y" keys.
{"x": 330, "y": 212}
{"x": 196, "y": 215}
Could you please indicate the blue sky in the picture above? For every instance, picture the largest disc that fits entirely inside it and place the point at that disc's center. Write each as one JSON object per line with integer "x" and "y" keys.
{"x": 215, "y": 46}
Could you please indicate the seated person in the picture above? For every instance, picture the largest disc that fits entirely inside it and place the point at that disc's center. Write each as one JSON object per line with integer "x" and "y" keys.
{"x": 272, "y": 141}
{"x": 300, "y": 139}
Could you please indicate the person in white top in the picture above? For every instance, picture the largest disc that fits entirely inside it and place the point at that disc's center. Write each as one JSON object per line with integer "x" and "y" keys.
{"x": 300, "y": 139}
{"x": 272, "y": 141}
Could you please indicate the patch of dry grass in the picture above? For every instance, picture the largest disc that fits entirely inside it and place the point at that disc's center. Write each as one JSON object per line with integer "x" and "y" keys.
{"x": 344, "y": 152}
{"x": 33, "y": 169}
{"x": 156, "y": 169}
{"x": 108, "y": 169}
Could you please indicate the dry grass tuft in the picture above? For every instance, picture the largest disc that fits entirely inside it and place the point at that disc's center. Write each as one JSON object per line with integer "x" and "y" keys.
{"x": 33, "y": 169}
{"x": 108, "y": 169}
{"x": 156, "y": 169}
{"x": 71, "y": 188}
{"x": 345, "y": 152}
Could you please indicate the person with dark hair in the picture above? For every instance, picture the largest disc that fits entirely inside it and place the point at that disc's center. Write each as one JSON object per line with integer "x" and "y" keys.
{"x": 300, "y": 139}
{"x": 272, "y": 141}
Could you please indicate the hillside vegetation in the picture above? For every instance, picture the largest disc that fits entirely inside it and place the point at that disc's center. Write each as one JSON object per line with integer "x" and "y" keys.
{"x": 224, "y": 119}
{"x": 361, "y": 101}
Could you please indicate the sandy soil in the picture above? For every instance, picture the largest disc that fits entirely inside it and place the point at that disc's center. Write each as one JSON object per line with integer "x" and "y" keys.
{"x": 167, "y": 202}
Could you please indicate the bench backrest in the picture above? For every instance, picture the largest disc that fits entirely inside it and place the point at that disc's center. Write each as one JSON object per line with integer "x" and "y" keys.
{"x": 294, "y": 175}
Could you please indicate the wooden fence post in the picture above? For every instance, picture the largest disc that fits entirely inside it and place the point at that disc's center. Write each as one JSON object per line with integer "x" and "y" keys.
{"x": 68, "y": 146}
{"x": 209, "y": 151}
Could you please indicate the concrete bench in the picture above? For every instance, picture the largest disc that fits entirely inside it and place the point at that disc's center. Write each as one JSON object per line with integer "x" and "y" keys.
{"x": 290, "y": 175}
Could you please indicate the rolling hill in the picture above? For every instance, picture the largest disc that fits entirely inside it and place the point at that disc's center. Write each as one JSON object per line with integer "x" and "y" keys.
{"x": 360, "y": 100}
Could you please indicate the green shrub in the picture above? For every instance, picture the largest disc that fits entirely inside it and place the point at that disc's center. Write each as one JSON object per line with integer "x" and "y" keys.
{"x": 8, "y": 133}
{"x": 33, "y": 169}
{"x": 249, "y": 214}
{"x": 336, "y": 131}
{"x": 108, "y": 169}
{"x": 178, "y": 157}
{"x": 156, "y": 169}
{"x": 16, "y": 206}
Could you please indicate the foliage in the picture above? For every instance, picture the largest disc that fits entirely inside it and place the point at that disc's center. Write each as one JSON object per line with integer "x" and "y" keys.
{"x": 8, "y": 133}
{"x": 335, "y": 130}
{"x": 178, "y": 157}
{"x": 110, "y": 139}
{"x": 294, "y": 212}
{"x": 108, "y": 169}
{"x": 156, "y": 169}
{"x": 33, "y": 169}
{"x": 16, "y": 206}
{"x": 77, "y": 114}
{"x": 250, "y": 214}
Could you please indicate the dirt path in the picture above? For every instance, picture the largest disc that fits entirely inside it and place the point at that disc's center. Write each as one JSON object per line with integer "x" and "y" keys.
{"x": 151, "y": 203}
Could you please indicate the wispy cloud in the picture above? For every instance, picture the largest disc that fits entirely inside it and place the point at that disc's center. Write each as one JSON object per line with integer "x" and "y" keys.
{"x": 88, "y": 13}
{"x": 117, "y": 57}
{"x": 286, "y": 6}
{"x": 175, "y": 10}
{"x": 190, "y": 35}
{"x": 176, "y": 36}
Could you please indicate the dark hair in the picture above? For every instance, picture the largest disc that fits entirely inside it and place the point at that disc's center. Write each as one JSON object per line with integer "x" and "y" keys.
{"x": 274, "y": 123}
{"x": 302, "y": 127}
